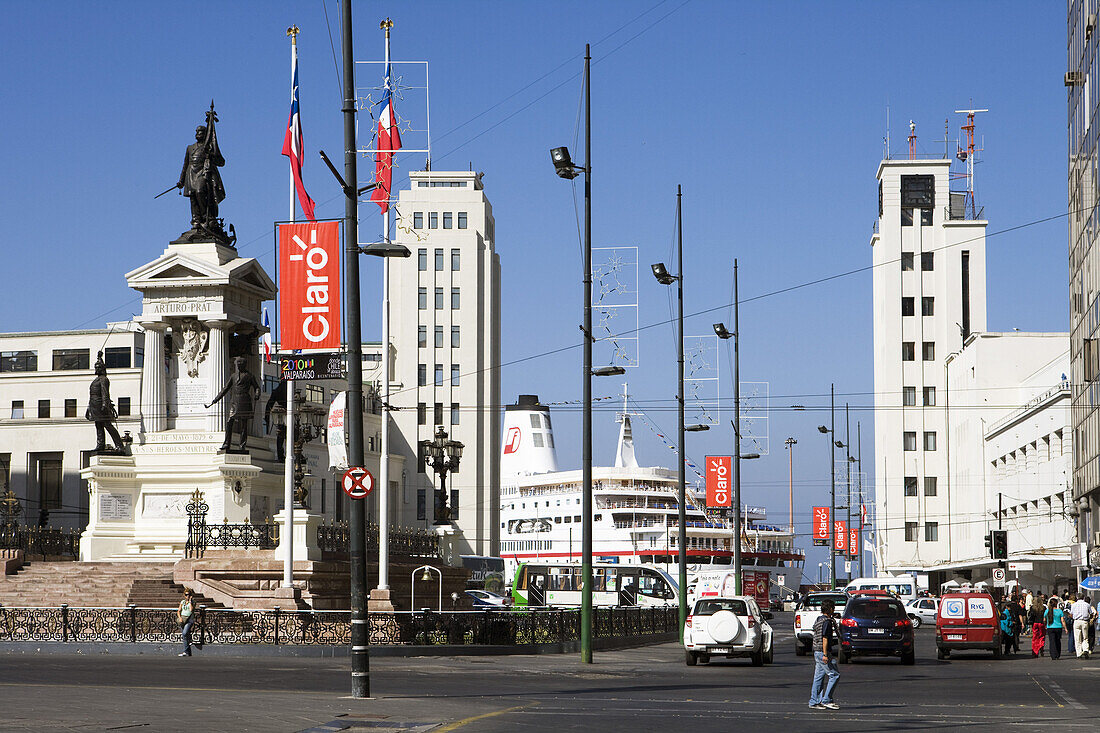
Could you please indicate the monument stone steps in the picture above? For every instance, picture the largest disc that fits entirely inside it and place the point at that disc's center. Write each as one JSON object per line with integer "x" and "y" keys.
{"x": 163, "y": 594}
{"x": 78, "y": 584}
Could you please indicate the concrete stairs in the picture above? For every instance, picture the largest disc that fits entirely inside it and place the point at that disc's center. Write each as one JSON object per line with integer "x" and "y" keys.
{"x": 83, "y": 584}
{"x": 163, "y": 593}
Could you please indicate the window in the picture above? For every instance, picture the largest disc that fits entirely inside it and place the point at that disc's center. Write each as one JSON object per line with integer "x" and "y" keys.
{"x": 421, "y": 413}
{"x": 535, "y": 420}
{"x": 919, "y": 191}
{"x": 421, "y": 375}
{"x": 927, "y": 306}
{"x": 270, "y": 383}
{"x": 439, "y": 298}
{"x": 422, "y": 259}
{"x": 123, "y": 406}
{"x": 49, "y": 482}
{"x": 926, "y": 221}
{"x": 439, "y": 337}
{"x": 43, "y": 409}
{"x": 929, "y": 485}
{"x": 418, "y": 220}
{"x": 462, "y": 220}
{"x": 454, "y": 413}
{"x": 927, "y": 261}
{"x": 18, "y": 361}
{"x": 422, "y": 299}
{"x": 315, "y": 393}
{"x": 537, "y": 440}
{"x": 930, "y": 440}
{"x": 433, "y": 220}
{"x": 908, "y": 351}
{"x": 906, "y": 217}
{"x": 17, "y": 409}
{"x": 910, "y": 531}
{"x": 929, "y": 396}
{"x": 908, "y": 396}
{"x": 906, "y": 261}
{"x": 454, "y": 337}
{"x": 421, "y": 458}
{"x": 70, "y": 408}
{"x": 909, "y": 440}
{"x": 5, "y": 471}
{"x": 139, "y": 356}
{"x": 438, "y": 375}
{"x": 456, "y": 260}
{"x": 437, "y": 413}
{"x": 439, "y": 260}
{"x": 421, "y": 504}
{"x": 65, "y": 359}
{"x": 454, "y": 299}
{"x": 454, "y": 503}
{"x": 907, "y": 306}
{"x": 931, "y": 532}
{"x": 422, "y": 336}
{"x": 117, "y": 357}
{"x": 910, "y": 485}
{"x": 928, "y": 350}
{"x": 455, "y": 373}
{"x": 448, "y": 220}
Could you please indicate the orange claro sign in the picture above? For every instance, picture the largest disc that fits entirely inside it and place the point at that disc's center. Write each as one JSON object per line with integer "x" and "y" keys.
{"x": 309, "y": 285}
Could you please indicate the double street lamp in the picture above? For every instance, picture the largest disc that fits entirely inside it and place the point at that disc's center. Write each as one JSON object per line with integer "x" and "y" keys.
{"x": 309, "y": 423}
{"x": 443, "y": 455}
{"x": 833, "y": 445}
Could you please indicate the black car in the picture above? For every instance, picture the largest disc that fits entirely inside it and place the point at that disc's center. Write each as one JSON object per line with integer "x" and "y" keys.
{"x": 878, "y": 626}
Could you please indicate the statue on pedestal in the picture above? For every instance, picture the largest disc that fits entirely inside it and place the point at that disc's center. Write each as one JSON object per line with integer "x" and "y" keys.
{"x": 101, "y": 410}
{"x": 201, "y": 181}
{"x": 243, "y": 391}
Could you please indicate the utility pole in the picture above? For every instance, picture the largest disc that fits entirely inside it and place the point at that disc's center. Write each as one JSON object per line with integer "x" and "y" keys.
{"x": 832, "y": 484}
{"x": 848, "y": 476}
{"x": 586, "y": 451}
{"x": 736, "y": 439}
{"x": 681, "y": 493}
{"x": 859, "y": 476}
{"x": 791, "y": 442}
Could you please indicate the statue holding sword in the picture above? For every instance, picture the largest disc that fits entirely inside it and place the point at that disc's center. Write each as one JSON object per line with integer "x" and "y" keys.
{"x": 201, "y": 181}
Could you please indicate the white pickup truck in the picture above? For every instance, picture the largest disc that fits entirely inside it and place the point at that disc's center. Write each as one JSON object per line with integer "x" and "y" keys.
{"x": 731, "y": 626}
{"x": 807, "y": 612}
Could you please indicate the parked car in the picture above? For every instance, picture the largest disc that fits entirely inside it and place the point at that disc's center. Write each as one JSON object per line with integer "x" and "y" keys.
{"x": 967, "y": 621}
{"x": 487, "y": 599}
{"x": 807, "y": 612}
{"x": 732, "y": 626}
{"x": 922, "y": 611}
{"x": 876, "y": 626}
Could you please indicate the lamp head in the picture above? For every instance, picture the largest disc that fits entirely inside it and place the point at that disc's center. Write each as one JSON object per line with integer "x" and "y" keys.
{"x": 563, "y": 164}
{"x": 838, "y": 443}
{"x": 822, "y": 429}
{"x": 662, "y": 274}
{"x": 386, "y": 249}
{"x": 721, "y": 332}
{"x": 608, "y": 371}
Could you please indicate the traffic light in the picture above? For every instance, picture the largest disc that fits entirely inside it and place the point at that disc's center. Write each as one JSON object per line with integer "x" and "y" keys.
{"x": 999, "y": 548}
{"x": 989, "y": 543}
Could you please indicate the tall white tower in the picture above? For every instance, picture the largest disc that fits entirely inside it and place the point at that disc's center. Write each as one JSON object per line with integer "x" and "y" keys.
{"x": 446, "y": 351}
{"x": 929, "y": 295}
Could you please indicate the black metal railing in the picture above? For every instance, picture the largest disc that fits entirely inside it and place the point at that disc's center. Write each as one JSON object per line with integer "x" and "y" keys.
{"x": 330, "y": 628}
{"x": 202, "y": 536}
{"x": 45, "y": 541}
{"x": 332, "y": 537}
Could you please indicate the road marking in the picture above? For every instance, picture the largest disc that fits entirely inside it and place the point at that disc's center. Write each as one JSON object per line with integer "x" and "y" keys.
{"x": 1064, "y": 695}
{"x": 466, "y": 721}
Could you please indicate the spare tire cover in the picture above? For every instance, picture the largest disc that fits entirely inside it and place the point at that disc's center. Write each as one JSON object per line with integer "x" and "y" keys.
{"x": 723, "y": 626}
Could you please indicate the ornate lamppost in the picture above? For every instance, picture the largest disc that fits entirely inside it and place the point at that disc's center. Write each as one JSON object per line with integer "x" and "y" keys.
{"x": 443, "y": 455}
{"x": 309, "y": 422}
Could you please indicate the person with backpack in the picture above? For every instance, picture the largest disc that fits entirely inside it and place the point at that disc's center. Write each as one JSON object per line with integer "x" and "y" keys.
{"x": 826, "y": 647}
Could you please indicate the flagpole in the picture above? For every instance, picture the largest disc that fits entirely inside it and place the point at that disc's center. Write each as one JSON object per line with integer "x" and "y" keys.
{"x": 288, "y": 452}
{"x": 384, "y": 459}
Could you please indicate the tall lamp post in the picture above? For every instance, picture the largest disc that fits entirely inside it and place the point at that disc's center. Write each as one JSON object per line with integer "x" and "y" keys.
{"x": 833, "y": 445}
{"x": 790, "y": 443}
{"x": 443, "y": 455}
{"x": 308, "y": 424}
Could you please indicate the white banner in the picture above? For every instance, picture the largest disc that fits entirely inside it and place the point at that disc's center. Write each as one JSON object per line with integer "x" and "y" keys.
{"x": 337, "y": 444}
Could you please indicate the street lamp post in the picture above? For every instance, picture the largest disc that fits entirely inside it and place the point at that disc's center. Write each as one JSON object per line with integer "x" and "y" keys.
{"x": 790, "y": 443}
{"x": 308, "y": 422}
{"x": 833, "y": 445}
{"x": 442, "y": 454}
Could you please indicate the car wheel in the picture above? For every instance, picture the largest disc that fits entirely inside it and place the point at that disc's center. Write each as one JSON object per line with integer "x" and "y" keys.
{"x": 941, "y": 653}
{"x": 690, "y": 659}
{"x": 909, "y": 658}
{"x": 800, "y": 649}
{"x": 916, "y": 621}
{"x": 997, "y": 652}
{"x": 769, "y": 656}
{"x": 758, "y": 658}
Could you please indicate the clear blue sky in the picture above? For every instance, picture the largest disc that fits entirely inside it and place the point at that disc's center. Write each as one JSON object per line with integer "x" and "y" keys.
{"x": 771, "y": 115}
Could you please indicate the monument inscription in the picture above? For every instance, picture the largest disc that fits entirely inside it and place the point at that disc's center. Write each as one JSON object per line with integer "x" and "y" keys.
{"x": 116, "y": 507}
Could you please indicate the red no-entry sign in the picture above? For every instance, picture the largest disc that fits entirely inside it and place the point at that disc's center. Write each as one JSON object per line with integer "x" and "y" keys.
{"x": 358, "y": 482}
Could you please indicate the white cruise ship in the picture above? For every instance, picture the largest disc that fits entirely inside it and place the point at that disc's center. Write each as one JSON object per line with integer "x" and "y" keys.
{"x": 635, "y": 510}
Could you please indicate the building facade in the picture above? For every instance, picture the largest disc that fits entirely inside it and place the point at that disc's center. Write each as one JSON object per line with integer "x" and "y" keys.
{"x": 446, "y": 351}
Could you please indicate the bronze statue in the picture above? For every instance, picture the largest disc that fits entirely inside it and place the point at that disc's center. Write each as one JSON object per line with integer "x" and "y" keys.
{"x": 201, "y": 181}
{"x": 101, "y": 410}
{"x": 243, "y": 390}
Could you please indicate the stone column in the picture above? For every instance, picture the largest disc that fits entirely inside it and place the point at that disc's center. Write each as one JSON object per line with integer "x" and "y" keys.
{"x": 154, "y": 405}
{"x": 218, "y": 357}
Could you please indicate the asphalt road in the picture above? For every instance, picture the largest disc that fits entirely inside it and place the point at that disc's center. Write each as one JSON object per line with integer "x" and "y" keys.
{"x": 628, "y": 690}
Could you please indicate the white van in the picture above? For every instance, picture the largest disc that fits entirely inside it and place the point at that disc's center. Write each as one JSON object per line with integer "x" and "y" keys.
{"x": 902, "y": 586}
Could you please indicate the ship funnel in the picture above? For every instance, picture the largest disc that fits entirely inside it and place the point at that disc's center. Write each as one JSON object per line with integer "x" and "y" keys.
{"x": 528, "y": 444}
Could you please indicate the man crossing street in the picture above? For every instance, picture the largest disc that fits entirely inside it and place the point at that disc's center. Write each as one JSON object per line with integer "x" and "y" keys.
{"x": 1082, "y": 612}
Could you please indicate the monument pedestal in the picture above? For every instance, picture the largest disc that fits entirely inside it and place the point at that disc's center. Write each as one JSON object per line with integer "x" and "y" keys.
{"x": 449, "y": 536}
{"x": 304, "y": 536}
{"x": 379, "y": 601}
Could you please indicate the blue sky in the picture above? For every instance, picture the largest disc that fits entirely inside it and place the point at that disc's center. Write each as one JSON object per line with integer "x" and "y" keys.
{"x": 771, "y": 116}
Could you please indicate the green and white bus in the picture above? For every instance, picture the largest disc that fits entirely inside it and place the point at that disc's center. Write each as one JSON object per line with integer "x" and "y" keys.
{"x": 553, "y": 584}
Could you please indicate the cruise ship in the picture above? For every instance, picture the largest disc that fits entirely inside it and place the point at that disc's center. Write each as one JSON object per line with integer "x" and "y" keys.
{"x": 635, "y": 510}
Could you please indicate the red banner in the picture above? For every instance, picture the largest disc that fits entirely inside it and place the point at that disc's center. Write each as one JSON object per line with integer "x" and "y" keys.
{"x": 821, "y": 525}
{"x": 840, "y": 535}
{"x": 853, "y": 543}
{"x": 718, "y": 481}
{"x": 309, "y": 285}
{"x": 863, "y": 515}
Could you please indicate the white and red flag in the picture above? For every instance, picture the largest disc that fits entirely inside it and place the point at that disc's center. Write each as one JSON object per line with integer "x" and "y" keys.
{"x": 266, "y": 337}
{"x": 388, "y": 143}
{"x": 293, "y": 146}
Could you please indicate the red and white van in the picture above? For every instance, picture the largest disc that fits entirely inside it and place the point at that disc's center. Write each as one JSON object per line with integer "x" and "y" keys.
{"x": 967, "y": 621}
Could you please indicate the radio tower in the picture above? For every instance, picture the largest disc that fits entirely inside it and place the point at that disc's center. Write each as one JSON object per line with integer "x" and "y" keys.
{"x": 967, "y": 155}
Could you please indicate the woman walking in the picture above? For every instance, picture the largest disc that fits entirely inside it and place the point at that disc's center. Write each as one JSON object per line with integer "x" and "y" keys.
{"x": 1038, "y": 627}
{"x": 1054, "y": 627}
{"x": 185, "y": 614}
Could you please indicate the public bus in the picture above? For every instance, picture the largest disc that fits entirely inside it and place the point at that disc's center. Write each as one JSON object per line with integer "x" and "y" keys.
{"x": 486, "y": 573}
{"x": 559, "y": 585}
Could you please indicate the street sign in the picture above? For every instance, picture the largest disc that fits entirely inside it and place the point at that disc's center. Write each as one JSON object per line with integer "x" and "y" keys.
{"x": 998, "y": 577}
{"x": 781, "y": 580}
{"x": 1078, "y": 555}
{"x": 847, "y": 567}
{"x": 358, "y": 482}
{"x": 1020, "y": 566}
{"x": 1091, "y": 583}
{"x": 328, "y": 365}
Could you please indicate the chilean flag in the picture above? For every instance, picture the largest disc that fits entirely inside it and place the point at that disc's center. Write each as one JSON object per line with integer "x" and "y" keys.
{"x": 292, "y": 143}
{"x": 389, "y": 142}
{"x": 267, "y": 337}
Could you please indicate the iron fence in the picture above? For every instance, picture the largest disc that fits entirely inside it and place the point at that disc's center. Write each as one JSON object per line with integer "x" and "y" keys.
{"x": 45, "y": 541}
{"x": 333, "y": 537}
{"x": 202, "y": 536}
{"x": 328, "y": 628}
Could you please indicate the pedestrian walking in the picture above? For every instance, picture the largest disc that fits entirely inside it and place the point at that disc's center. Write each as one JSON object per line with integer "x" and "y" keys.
{"x": 1081, "y": 615}
{"x": 1009, "y": 627}
{"x": 1054, "y": 627}
{"x": 825, "y": 660}
{"x": 1038, "y": 628}
{"x": 1068, "y": 599}
{"x": 185, "y": 615}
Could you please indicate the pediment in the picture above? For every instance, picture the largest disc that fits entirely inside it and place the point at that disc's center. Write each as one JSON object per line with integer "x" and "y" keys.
{"x": 174, "y": 268}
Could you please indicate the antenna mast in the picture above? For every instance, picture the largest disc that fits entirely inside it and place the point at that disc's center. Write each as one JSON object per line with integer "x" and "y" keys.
{"x": 968, "y": 155}
{"x": 912, "y": 140}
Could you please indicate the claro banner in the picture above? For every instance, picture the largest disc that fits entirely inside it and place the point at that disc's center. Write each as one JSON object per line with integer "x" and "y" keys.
{"x": 718, "y": 481}
{"x": 840, "y": 539}
{"x": 853, "y": 542}
{"x": 309, "y": 285}
{"x": 821, "y": 526}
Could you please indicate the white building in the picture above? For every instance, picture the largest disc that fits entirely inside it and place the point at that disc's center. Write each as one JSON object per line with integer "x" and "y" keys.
{"x": 929, "y": 294}
{"x": 446, "y": 350}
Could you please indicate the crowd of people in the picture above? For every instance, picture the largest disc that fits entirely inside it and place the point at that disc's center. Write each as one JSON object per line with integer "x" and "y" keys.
{"x": 1047, "y": 620}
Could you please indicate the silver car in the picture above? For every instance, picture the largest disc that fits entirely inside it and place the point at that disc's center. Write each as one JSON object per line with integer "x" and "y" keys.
{"x": 922, "y": 611}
